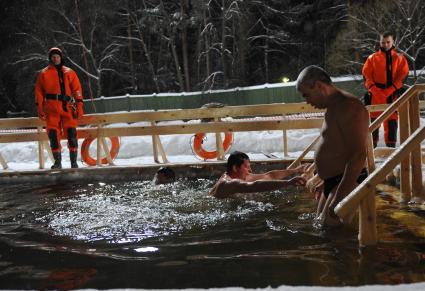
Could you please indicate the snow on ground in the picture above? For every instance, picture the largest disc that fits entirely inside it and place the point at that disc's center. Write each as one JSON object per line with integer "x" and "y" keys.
{"x": 137, "y": 150}
{"x": 401, "y": 287}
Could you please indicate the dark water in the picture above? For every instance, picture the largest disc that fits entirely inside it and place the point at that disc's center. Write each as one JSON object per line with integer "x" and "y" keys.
{"x": 135, "y": 235}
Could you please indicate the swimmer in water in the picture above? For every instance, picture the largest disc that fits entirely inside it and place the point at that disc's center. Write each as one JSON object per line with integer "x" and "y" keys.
{"x": 164, "y": 175}
{"x": 239, "y": 178}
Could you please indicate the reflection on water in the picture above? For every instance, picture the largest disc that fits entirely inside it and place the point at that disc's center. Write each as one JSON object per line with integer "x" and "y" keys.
{"x": 135, "y": 211}
{"x": 135, "y": 234}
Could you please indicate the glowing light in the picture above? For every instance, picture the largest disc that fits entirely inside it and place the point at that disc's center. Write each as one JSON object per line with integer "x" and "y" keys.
{"x": 146, "y": 250}
{"x": 285, "y": 79}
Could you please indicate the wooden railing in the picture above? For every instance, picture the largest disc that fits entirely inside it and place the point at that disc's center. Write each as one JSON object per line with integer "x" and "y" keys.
{"x": 285, "y": 117}
{"x": 32, "y": 129}
{"x": 408, "y": 155}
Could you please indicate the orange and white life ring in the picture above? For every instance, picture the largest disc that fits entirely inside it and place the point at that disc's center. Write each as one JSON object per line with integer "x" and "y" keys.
{"x": 208, "y": 155}
{"x": 85, "y": 151}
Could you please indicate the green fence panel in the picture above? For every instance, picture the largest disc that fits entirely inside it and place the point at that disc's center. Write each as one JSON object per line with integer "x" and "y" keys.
{"x": 265, "y": 94}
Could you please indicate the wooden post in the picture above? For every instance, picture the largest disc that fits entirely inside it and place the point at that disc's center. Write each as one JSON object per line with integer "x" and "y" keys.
{"x": 106, "y": 150}
{"x": 405, "y": 164}
{"x": 161, "y": 149}
{"x": 370, "y": 154}
{"x": 3, "y": 162}
{"x": 219, "y": 144}
{"x": 98, "y": 147}
{"x": 416, "y": 158}
{"x": 40, "y": 149}
{"x": 367, "y": 220}
{"x": 46, "y": 146}
{"x": 154, "y": 146}
{"x": 285, "y": 141}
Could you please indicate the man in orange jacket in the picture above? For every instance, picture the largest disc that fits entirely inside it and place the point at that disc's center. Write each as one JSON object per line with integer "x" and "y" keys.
{"x": 384, "y": 72}
{"x": 60, "y": 103}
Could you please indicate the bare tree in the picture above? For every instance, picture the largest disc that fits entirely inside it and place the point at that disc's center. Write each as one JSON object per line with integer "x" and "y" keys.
{"x": 98, "y": 54}
{"x": 360, "y": 38}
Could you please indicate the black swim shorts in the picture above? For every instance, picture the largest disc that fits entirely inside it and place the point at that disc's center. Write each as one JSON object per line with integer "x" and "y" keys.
{"x": 332, "y": 182}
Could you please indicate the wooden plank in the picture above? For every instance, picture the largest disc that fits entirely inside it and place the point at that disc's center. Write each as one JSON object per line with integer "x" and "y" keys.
{"x": 40, "y": 150}
{"x": 46, "y": 146}
{"x": 285, "y": 143}
{"x": 416, "y": 157}
{"x": 22, "y": 137}
{"x": 155, "y": 149}
{"x": 352, "y": 201}
{"x": 181, "y": 128}
{"x": 31, "y": 122}
{"x": 161, "y": 149}
{"x": 219, "y": 144}
{"x": 209, "y": 127}
{"x": 199, "y": 113}
{"x": 405, "y": 188}
{"x": 368, "y": 234}
{"x": 370, "y": 154}
{"x": 296, "y": 163}
{"x": 154, "y": 146}
{"x": 106, "y": 151}
{"x": 3, "y": 162}
{"x": 98, "y": 147}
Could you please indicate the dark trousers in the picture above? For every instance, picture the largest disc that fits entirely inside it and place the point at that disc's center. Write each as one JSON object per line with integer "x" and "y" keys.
{"x": 390, "y": 130}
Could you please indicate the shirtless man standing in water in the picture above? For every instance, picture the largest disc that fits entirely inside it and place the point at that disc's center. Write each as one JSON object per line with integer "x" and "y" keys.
{"x": 341, "y": 153}
{"x": 239, "y": 178}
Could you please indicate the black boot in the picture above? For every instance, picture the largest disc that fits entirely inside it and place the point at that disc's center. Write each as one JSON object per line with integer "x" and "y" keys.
{"x": 58, "y": 159}
{"x": 73, "y": 158}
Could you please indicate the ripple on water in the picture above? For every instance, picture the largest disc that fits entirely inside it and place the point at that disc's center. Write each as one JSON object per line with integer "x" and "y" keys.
{"x": 134, "y": 211}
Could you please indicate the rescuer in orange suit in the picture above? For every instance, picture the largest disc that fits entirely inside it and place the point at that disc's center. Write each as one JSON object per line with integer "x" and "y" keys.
{"x": 384, "y": 72}
{"x": 60, "y": 103}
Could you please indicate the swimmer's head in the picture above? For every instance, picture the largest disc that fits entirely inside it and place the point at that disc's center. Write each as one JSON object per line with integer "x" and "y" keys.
{"x": 238, "y": 165}
{"x": 164, "y": 175}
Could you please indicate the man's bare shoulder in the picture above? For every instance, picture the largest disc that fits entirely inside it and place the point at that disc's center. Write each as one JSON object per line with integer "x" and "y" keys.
{"x": 351, "y": 104}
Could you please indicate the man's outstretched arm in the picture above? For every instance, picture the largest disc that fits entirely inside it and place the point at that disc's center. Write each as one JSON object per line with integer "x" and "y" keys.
{"x": 278, "y": 174}
{"x": 223, "y": 188}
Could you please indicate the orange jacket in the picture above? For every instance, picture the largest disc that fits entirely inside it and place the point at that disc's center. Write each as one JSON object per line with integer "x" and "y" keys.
{"x": 48, "y": 83}
{"x": 375, "y": 72}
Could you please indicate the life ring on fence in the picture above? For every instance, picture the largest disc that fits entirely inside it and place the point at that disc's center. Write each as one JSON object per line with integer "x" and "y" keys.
{"x": 85, "y": 153}
{"x": 208, "y": 155}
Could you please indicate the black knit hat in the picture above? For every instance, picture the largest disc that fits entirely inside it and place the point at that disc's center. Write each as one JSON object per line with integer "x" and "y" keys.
{"x": 54, "y": 51}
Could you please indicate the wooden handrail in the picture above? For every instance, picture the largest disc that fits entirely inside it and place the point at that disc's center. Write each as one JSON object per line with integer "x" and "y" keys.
{"x": 392, "y": 108}
{"x": 352, "y": 201}
{"x": 187, "y": 114}
{"x": 417, "y": 88}
{"x": 303, "y": 154}
{"x": 164, "y": 115}
{"x": 182, "y": 128}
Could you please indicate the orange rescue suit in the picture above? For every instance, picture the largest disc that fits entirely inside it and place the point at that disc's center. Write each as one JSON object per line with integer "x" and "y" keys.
{"x": 383, "y": 78}
{"x": 58, "y": 113}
